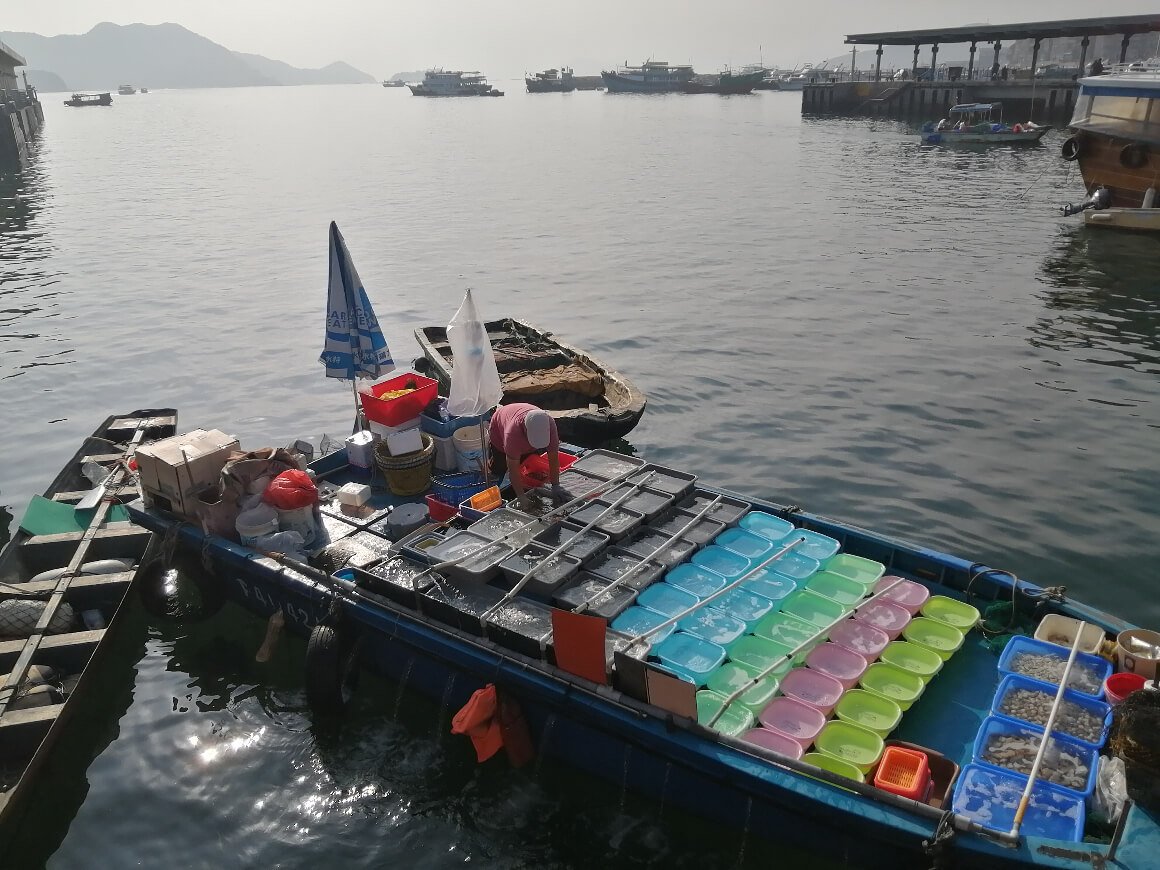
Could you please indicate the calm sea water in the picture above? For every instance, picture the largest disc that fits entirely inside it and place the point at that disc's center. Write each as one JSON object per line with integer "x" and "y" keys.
{"x": 820, "y": 311}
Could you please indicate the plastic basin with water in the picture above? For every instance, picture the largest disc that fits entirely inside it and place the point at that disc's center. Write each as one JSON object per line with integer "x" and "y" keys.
{"x": 761, "y": 654}
{"x": 936, "y": 636}
{"x": 814, "y": 546}
{"x": 771, "y": 585}
{"x": 645, "y": 543}
{"x": 696, "y": 580}
{"x": 767, "y": 525}
{"x": 689, "y": 656}
{"x": 991, "y": 796}
{"x": 749, "y": 607}
{"x": 614, "y": 563}
{"x": 920, "y": 661}
{"x": 712, "y": 625}
{"x": 860, "y": 637}
{"x": 813, "y": 608}
{"x": 793, "y": 719}
{"x": 776, "y": 743}
{"x": 701, "y": 532}
{"x": 721, "y": 561}
{"x": 845, "y": 591}
{"x": 870, "y": 711}
{"x": 884, "y": 616}
{"x": 864, "y": 571}
{"x": 851, "y": 743}
{"x": 667, "y": 599}
{"x": 812, "y": 687}
{"x": 901, "y": 687}
{"x": 735, "y": 721}
{"x": 731, "y": 676}
{"x": 636, "y": 620}
{"x": 789, "y": 631}
{"x": 589, "y": 589}
{"x": 842, "y": 664}
{"x": 795, "y": 566}
{"x": 753, "y": 547}
{"x": 905, "y": 593}
{"x": 956, "y": 614}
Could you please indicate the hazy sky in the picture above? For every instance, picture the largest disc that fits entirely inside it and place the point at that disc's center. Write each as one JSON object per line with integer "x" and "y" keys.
{"x": 504, "y": 38}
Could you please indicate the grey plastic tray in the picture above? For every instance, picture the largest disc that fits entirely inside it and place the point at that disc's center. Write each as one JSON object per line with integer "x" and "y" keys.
{"x": 606, "y": 464}
{"x": 503, "y": 520}
{"x": 545, "y": 582}
{"x": 728, "y": 511}
{"x": 666, "y": 480}
{"x": 616, "y": 524}
{"x": 394, "y": 578}
{"x": 476, "y": 569}
{"x": 645, "y": 541}
{"x": 584, "y": 586}
{"x": 700, "y": 534}
{"x": 584, "y": 547}
{"x": 647, "y": 502}
{"x": 459, "y": 605}
{"x": 615, "y": 562}
{"x": 522, "y": 626}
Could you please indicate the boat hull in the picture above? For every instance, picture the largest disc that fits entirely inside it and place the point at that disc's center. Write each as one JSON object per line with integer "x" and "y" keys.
{"x": 616, "y": 411}
{"x": 549, "y": 86}
{"x": 952, "y": 137}
{"x": 1143, "y": 220}
{"x": 1103, "y": 163}
{"x": 619, "y": 84}
{"x": 636, "y": 746}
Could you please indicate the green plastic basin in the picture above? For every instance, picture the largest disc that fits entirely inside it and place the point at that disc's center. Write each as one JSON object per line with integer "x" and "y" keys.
{"x": 761, "y": 653}
{"x": 789, "y": 631}
{"x": 911, "y": 657}
{"x": 939, "y": 637}
{"x": 956, "y": 614}
{"x": 850, "y": 743}
{"x": 834, "y": 765}
{"x": 901, "y": 687}
{"x": 836, "y": 587}
{"x": 731, "y": 676}
{"x": 870, "y": 711}
{"x": 813, "y": 608}
{"x": 864, "y": 571}
{"x": 734, "y": 722}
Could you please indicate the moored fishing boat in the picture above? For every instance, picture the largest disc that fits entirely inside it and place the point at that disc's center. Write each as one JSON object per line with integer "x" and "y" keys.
{"x": 728, "y": 82}
{"x": 560, "y": 81}
{"x": 63, "y": 578}
{"x": 651, "y": 77}
{"x": 591, "y": 402}
{"x": 979, "y": 124}
{"x": 450, "y": 630}
{"x": 454, "y": 83}
{"x": 1115, "y": 138}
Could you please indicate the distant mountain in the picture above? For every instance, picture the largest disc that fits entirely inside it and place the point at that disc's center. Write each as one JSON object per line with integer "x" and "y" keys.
{"x": 46, "y": 81}
{"x": 160, "y": 56}
{"x": 334, "y": 74}
{"x": 413, "y": 76}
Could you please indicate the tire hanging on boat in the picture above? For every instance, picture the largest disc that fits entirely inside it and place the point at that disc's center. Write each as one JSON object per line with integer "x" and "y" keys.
{"x": 18, "y": 617}
{"x": 182, "y": 592}
{"x": 331, "y": 668}
{"x": 1071, "y": 148}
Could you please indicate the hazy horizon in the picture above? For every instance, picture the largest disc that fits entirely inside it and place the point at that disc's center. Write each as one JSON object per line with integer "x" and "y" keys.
{"x": 504, "y": 38}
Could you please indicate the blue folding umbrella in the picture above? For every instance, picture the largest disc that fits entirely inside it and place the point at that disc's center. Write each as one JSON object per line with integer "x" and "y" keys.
{"x": 355, "y": 346}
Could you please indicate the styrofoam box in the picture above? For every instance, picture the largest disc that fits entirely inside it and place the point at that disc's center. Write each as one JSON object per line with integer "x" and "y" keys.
{"x": 383, "y": 430}
{"x": 405, "y": 441}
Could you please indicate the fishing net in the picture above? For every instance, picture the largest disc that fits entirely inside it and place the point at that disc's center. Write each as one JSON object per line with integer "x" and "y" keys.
{"x": 1135, "y": 737}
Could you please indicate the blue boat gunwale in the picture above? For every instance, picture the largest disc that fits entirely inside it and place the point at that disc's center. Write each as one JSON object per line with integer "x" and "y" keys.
{"x": 752, "y": 769}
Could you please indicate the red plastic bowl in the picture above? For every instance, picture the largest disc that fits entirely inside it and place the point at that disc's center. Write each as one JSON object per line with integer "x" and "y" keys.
{"x": 1119, "y": 686}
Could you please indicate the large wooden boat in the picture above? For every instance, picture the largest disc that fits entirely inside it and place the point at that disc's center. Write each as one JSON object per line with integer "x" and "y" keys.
{"x": 591, "y": 402}
{"x": 651, "y": 77}
{"x": 63, "y": 579}
{"x": 728, "y": 82}
{"x": 551, "y": 81}
{"x": 1116, "y": 142}
{"x": 637, "y": 717}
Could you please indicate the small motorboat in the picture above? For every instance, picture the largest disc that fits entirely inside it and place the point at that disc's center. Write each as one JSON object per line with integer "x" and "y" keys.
{"x": 979, "y": 124}
{"x": 591, "y": 403}
{"x": 83, "y": 100}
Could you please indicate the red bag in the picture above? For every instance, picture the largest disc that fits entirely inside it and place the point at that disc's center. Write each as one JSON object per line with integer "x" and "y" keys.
{"x": 291, "y": 490}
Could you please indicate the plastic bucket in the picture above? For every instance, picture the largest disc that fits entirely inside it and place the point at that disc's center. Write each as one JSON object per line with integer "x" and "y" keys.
{"x": 256, "y": 522}
{"x": 300, "y": 520}
{"x": 469, "y": 448}
{"x": 1138, "y": 651}
{"x": 1119, "y": 686}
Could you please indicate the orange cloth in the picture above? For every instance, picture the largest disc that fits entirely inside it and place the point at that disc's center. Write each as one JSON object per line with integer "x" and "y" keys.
{"x": 477, "y": 719}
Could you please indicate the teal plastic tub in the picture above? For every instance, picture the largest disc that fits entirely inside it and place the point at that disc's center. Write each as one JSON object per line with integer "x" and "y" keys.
{"x": 731, "y": 676}
{"x": 735, "y": 721}
{"x": 760, "y": 654}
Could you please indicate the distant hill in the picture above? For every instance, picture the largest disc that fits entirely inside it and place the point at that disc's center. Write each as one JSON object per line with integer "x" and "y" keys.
{"x": 413, "y": 76}
{"x": 160, "y": 56}
{"x": 338, "y": 73}
{"x": 46, "y": 81}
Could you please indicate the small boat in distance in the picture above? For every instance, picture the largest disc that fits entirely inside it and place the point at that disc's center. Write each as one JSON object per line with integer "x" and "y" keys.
{"x": 651, "y": 77}
{"x": 590, "y": 402}
{"x": 143, "y": 91}
{"x": 977, "y": 126}
{"x": 394, "y": 83}
{"x": 728, "y": 82}
{"x": 82, "y": 100}
{"x": 126, "y": 90}
{"x": 551, "y": 81}
{"x": 454, "y": 83}
{"x": 1115, "y": 139}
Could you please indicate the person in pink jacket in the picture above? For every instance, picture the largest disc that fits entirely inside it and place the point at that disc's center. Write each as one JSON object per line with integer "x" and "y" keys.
{"x": 516, "y": 432}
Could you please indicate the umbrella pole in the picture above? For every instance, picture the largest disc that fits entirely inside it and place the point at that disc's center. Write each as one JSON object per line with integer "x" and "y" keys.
{"x": 358, "y": 427}
{"x": 486, "y": 457}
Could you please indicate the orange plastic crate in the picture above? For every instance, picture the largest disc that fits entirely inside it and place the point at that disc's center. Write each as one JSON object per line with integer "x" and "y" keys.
{"x": 904, "y": 772}
{"x": 534, "y": 470}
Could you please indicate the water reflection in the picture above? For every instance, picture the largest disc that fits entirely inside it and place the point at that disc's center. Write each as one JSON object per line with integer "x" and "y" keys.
{"x": 1104, "y": 300}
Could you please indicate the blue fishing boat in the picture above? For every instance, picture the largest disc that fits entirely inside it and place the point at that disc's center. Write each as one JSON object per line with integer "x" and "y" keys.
{"x": 665, "y": 712}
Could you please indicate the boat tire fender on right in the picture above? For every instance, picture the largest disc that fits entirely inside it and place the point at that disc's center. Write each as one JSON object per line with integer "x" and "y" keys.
{"x": 164, "y": 590}
{"x": 1070, "y": 149}
{"x": 332, "y": 655}
{"x": 1134, "y": 155}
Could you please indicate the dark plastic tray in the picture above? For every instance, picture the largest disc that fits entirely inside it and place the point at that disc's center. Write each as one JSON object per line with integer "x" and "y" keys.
{"x": 547, "y": 581}
{"x": 393, "y": 578}
{"x": 705, "y": 531}
{"x": 728, "y": 511}
{"x": 614, "y": 562}
{"x": 647, "y": 502}
{"x": 502, "y": 520}
{"x": 460, "y": 605}
{"x": 666, "y": 480}
{"x": 522, "y": 626}
{"x": 586, "y": 585}
{"x": 644, "y": 541}
{"x": 418, "y": 543}
{"x": 584, "y": 547}
{"x": 606, "y": 464}
{"x": 477, "y": 569}
{"x": 616, "y": 524}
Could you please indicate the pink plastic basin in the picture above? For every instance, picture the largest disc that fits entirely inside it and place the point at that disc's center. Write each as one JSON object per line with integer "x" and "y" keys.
{"x": 885, "y": 616}
{"x": 905, "y": 593}
{"x": 774, "y": 742}
{"x": 793, "y": 719}
{"x": 860, "y": 637}
{"x": 812, "y": 687}
{"x": 844, "y": 665}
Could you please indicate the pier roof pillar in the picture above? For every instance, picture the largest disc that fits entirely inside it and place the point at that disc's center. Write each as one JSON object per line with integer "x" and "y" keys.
{"x": 1034, "y": 57}
{"x": 1124, "y": 47}
{"x": 878, "y": 64}
{"x": 914, "y": 68}
{"x": 971, "y": 64}
{"x": 995, "y": 65}
{"x": 933, "y": 60}
{"x": 1083, "y": 56}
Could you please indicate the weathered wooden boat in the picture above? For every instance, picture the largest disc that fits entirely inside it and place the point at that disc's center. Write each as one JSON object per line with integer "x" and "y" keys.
{"x": 1114, "y": 140}
{"x": 638, "y": 725}
{"x": 63, "y": 578}
{"x": 591, "y": 402}
{"x": 979, "y": 124}
{"x": 728, "y": 82}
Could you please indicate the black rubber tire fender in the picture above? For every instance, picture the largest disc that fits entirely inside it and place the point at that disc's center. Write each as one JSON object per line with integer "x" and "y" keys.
{"x": 166, "y": 599}
{"x": 1134, "y": 155}
{"x": 331, "y": 670}
{"x": 1071, "y": 148}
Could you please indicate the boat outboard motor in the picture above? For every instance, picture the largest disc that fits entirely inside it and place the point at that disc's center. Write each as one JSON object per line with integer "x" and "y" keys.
{"x": 1099, "y": 199}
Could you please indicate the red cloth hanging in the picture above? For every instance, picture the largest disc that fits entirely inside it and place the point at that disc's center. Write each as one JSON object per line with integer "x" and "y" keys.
{"x": 477, "y": 719}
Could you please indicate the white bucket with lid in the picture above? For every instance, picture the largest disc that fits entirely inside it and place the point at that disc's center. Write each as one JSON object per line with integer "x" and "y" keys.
{"x": 256, "y": 522}
{"x": 470, "y": 446}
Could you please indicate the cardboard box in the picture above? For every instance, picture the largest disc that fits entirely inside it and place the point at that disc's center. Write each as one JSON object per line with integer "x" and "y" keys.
{"x": 173, "y": 471}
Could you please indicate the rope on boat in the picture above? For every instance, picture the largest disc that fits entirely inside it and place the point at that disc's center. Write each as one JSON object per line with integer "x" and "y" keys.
{"x": 938, "y": 846}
